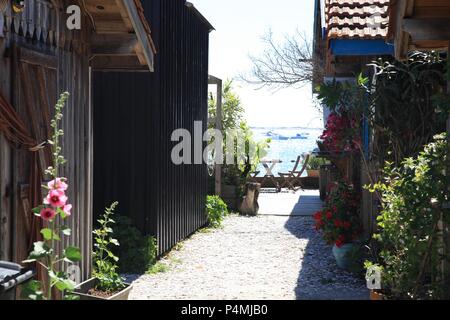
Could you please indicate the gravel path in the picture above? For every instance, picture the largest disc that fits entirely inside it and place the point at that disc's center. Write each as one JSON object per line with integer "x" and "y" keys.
{"x": 264, "y": 257}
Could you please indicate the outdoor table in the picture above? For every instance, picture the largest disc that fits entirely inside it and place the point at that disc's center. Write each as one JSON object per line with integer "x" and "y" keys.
{"x": 269, "y": 165}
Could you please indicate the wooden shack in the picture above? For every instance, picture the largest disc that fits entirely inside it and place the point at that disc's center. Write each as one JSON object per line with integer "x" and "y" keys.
{"x": 348, "y": 35}
{"x": 134, "y": 116}
{"x": 40, "y": 58}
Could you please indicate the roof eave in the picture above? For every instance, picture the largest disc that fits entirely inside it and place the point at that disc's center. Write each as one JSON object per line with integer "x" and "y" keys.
{"x": 200, "y": 16}
{"x": 141, "y": 34}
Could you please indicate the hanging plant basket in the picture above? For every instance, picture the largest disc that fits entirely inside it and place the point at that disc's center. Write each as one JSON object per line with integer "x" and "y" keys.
{"x": 18, "y": 6}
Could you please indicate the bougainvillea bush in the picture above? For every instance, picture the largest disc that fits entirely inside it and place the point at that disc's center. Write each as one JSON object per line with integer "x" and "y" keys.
{"x": 342, "y": 133}
{"x": 346, "y": 101}
{"x": 54, "y": 211}
{"x": 338, "y": 221}
{"x": 413, "y": 197}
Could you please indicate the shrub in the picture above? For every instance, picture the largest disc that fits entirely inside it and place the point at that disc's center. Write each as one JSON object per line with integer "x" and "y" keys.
{"x": 216, "y": 210}
{"x": 412, "y": 199}
{"x": 136, "y": 252}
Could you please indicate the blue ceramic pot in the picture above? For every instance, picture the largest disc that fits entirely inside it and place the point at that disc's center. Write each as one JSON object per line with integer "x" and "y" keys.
{"x": 341, "y": 255}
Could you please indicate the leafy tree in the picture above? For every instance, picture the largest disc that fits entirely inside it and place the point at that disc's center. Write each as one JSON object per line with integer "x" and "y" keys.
{"x": 233, "y": 119}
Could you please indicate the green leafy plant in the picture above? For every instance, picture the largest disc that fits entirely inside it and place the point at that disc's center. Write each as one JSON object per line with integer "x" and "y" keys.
{"x": 216, "y": 210}
{"x": 245, "y": 161}
{"x": 344, "y": 97}
{"x": 412, "y": 200}
{"x": 53, "y": 212}
{"x": 158, "y": 267}
{"x": 105, "y": 262}
{"x": 314, "y": 162}
{"x": 407, "y": 105}
{"x": 136, "y": 252}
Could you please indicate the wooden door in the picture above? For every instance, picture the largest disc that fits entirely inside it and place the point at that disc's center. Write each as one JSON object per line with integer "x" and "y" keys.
{"x": 35, "y": 93}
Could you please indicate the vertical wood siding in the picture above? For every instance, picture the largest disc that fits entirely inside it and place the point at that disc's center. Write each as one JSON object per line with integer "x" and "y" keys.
{"x": 134, "y": 117}
{"x": 44, "y": 24}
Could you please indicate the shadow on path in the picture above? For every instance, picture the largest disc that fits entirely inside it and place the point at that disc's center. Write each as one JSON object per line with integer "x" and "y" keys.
{"x": 319, "y": 276}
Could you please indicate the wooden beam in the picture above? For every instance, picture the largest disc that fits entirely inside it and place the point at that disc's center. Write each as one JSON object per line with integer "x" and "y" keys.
{"x": 113, "y": 44}
{"x": 140, "y": 31}
{"x": 409, "y": 8}
{"x": 124, "y": 14}
{"x": 117, "y": 63}
{"x": 218, "y": 168}
{"x": 428, "y": 29}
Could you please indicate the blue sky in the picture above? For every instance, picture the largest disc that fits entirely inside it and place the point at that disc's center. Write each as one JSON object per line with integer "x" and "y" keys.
{"x": 239, "y": 25}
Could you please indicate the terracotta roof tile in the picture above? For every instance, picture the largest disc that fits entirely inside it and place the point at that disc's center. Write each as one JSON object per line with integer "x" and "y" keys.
{"x": 362, "y": 19}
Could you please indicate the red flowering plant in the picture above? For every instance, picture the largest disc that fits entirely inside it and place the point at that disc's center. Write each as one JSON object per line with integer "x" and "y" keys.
{"x": 54, "y": 211}
{"x": 345, "y": 100}
{"x": 342, "y": 133}
{"x": 338, "y": 221}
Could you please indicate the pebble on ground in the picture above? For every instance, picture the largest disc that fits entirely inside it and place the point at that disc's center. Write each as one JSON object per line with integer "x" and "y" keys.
{"x": 255, "y": 258}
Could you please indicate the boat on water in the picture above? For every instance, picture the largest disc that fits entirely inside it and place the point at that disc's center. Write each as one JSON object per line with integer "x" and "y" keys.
{"x": 302, "y": 136}
{"x": 276, "y": 136}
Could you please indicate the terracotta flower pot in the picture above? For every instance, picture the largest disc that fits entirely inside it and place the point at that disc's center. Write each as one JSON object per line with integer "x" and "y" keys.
{"x": 313, "y": 173}
{"x": 376, "y": 295}
{"x": 83, "y": 288}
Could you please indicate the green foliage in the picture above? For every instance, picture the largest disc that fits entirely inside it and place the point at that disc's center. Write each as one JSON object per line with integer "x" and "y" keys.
{"x": 358, "y": 256}
{"x": 232, "y": 109}
{"x": 33, "y": 290}
{"x": 412, "y": 201}
{"x": 105, "y": 262}
{"x": 158, "y": 267}
{"x": 407, "y": 106}
{"x": 315, "y": 162}
{"x": 344, "y": 96}
{"x": 245, "y": 161}
{"x": 136, "y": 252}
{"x": 216, "y": 211}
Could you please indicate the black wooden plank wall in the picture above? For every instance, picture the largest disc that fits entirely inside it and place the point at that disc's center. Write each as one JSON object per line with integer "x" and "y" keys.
{"x": 134, "y": 117}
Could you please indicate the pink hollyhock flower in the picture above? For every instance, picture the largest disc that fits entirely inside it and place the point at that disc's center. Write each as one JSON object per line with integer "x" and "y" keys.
{"x": 67, "y": 210}
{"x": 58, "y": 184}
{"x": 56, "y": 198}
{"x": 47, "y": 214}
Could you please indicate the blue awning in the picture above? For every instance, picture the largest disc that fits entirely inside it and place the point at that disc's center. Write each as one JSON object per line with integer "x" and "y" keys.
{"x": 363, "y": 47}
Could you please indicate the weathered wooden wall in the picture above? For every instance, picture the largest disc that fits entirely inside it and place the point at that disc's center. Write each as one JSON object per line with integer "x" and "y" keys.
{"x": 40, "y": 32}
{"x": 135, "y": 115}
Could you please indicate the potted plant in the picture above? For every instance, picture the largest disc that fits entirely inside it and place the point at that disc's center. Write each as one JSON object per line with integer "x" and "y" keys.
{"x": 106, "y": 284}
{"x": 313, "y": 166}
{"x": 339, "y": 222}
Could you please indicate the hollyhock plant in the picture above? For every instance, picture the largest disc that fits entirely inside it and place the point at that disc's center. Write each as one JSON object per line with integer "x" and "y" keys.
{"x": 56, "y": 198}
{"x": 47, "y": 214}
{"x": 58, "y": 184}
{"x": 338, "y": 221}
{"x": 67, "y": 210}
{"x": 54, "y": 210}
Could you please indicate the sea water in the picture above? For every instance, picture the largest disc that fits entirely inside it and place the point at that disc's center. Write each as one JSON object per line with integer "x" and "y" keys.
{"x": 287, "y": 144}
